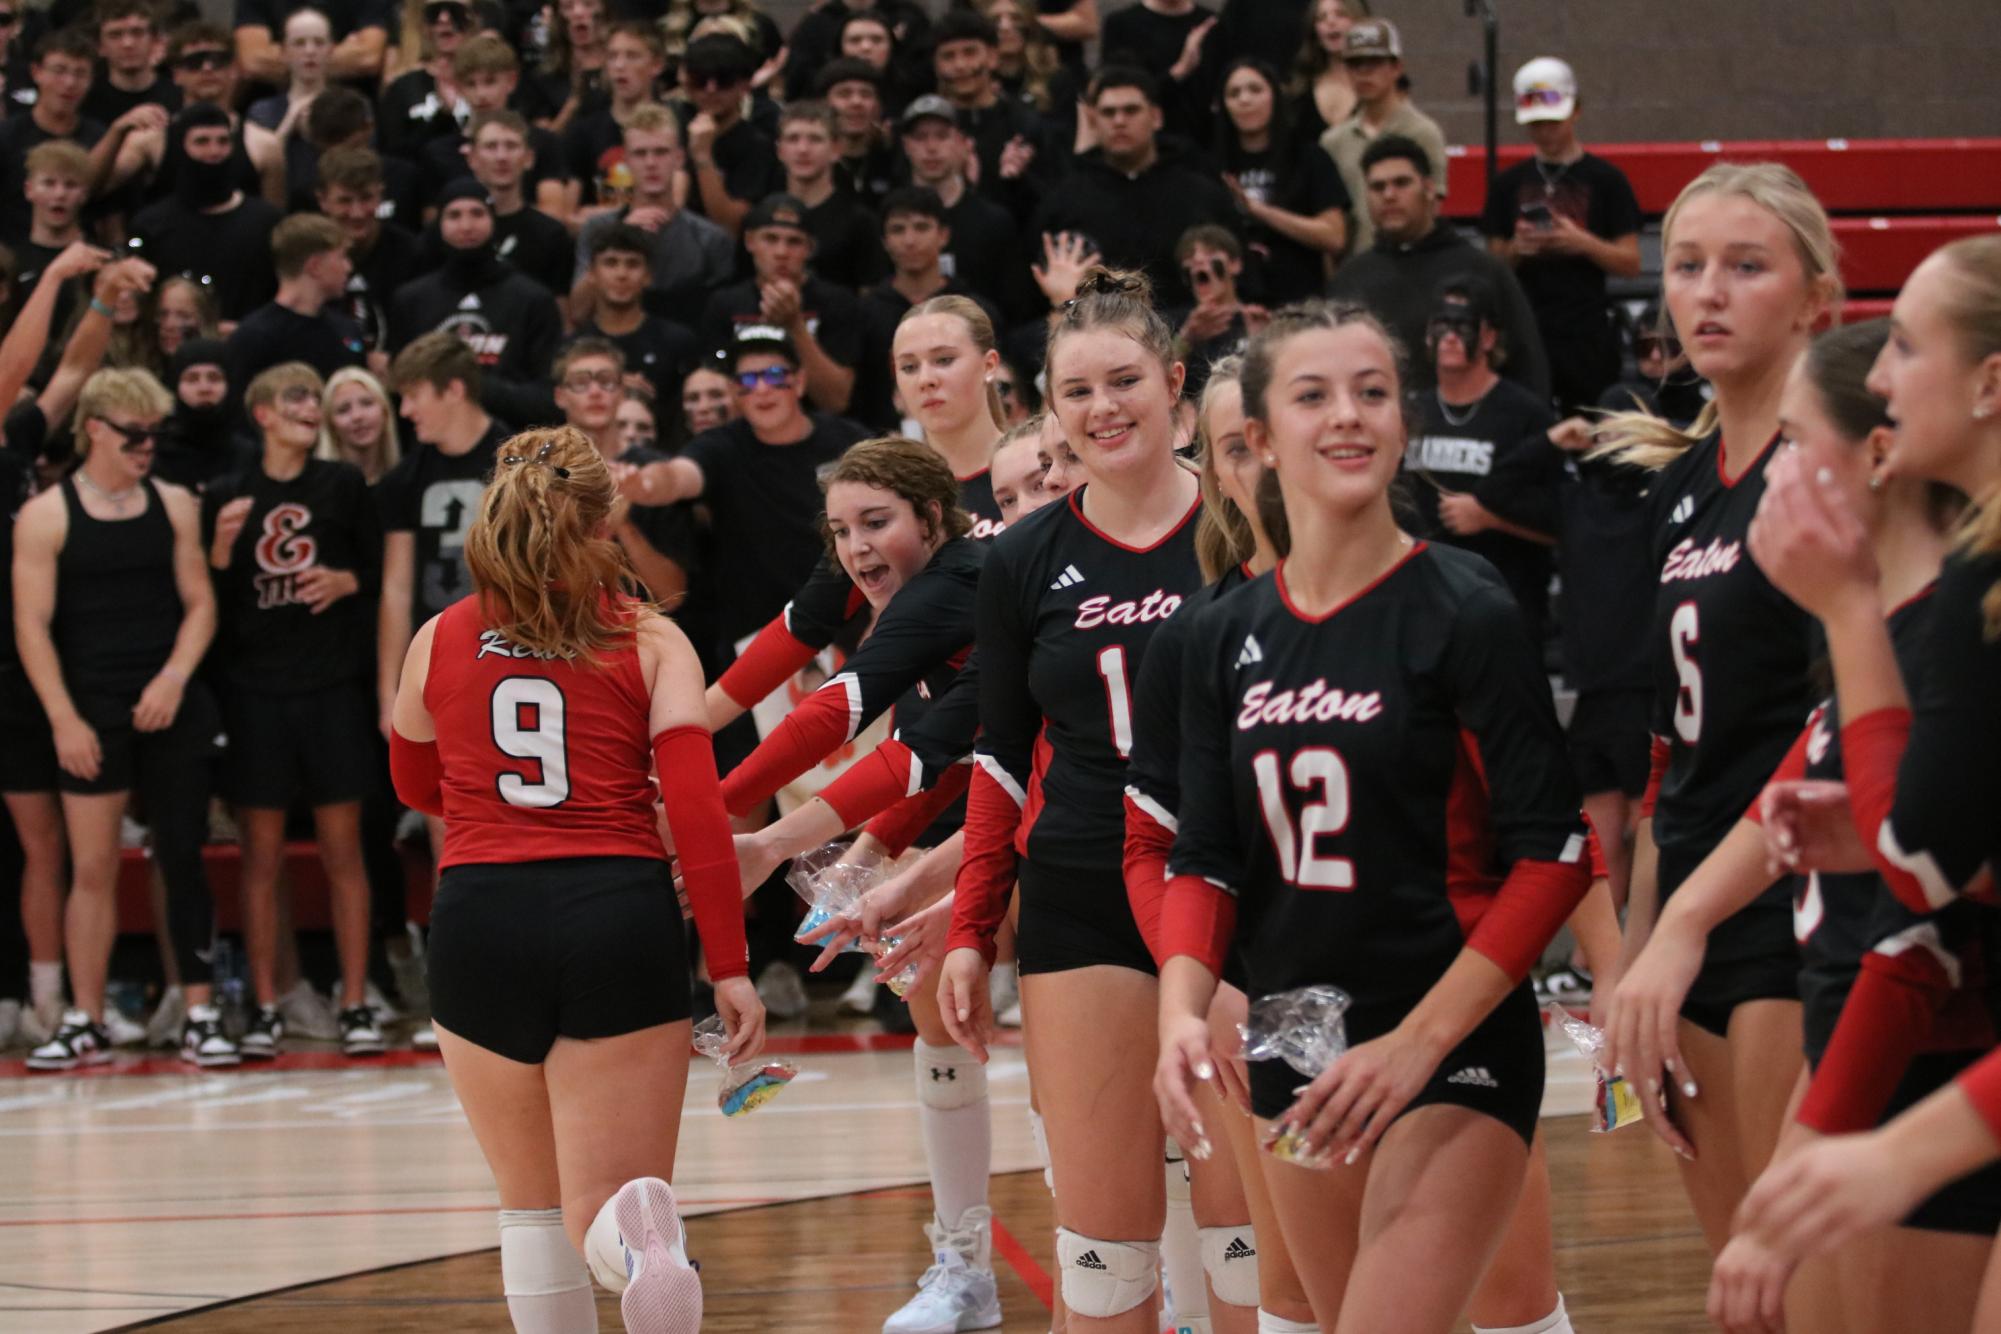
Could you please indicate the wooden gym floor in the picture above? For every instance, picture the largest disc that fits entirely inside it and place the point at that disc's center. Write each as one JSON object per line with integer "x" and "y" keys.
{"x": 335, "y": 1195}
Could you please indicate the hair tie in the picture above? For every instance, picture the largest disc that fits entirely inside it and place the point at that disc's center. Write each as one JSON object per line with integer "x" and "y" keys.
{"x": 541, "y": 457}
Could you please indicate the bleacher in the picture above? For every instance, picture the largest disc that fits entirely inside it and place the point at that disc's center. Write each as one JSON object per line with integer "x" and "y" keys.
{"x": 1893, "y": 201}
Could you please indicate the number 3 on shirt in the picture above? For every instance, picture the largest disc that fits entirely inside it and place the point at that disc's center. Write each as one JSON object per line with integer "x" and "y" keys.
{"x": 542, "y": 743}
{"x": 1684, "y": 635}
{"x": 1299, "y": 860}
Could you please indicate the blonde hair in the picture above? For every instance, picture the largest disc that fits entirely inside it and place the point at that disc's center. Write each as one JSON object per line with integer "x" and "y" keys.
{"x": 547, "y": 575}
{"x": 1029, "y": 429}
{"x": 390, "y": 451}
{"x": 1973, "y": 310}
{"x": 1224, "y": 537}
{"x": 1647, "y": 441}
{"x": 134, "y": 392}
{"x": 270, "y": 384}
{"x": 968, "y": 312}
{"x": 912, "y": 470}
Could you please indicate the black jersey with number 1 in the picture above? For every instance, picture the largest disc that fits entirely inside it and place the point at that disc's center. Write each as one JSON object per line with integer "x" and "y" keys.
{"x": 1729, "y": 659}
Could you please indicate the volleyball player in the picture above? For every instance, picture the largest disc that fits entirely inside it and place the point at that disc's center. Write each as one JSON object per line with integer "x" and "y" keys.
{"x": 528, "y": 717}
{"x": 1371, "y": 767}
{"x": 1068, "y": 602}
{"x": 1749, "y": 272}
{"x": 1909, "y": 757}
{"x": 113, "y": 612}
{"x": 1835, "y": 423}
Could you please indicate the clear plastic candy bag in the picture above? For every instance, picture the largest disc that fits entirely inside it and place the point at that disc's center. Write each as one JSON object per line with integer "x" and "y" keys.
{"x": 1617, "y": 1104}
{"x": 746, "y": 1087}
{"x": 830, "y": 887}
{"x": 1303, "y": 1028}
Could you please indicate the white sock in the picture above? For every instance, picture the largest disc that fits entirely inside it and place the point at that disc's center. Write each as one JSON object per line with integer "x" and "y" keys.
{"x": 45, "y": 985}
{"x": 1556, "y": 1322}
{"x": 548, "y": 1289}
{"x": 1181, "y": 1243}
{"x": 1278, "y": 1324}
{"x": 957, "y": 1125}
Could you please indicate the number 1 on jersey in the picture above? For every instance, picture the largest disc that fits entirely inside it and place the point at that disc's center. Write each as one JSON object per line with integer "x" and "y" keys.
{"x": 543, "y": 743}
{"x": 1118, "y": 694}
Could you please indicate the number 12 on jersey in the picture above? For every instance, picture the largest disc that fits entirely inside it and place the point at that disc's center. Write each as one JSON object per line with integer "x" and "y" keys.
{"x": 1299, "y": 860}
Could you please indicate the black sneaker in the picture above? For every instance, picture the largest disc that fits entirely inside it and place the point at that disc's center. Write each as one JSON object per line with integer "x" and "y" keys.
{"x": 360, "y": 1033}
{"x": 204, "y": 1043}
{"x": 78, "y": 1041}
{"x": 267, "y": 1029}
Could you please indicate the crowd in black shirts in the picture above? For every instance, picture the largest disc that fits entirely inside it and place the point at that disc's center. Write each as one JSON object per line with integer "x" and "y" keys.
{"x": 331, "y": 184}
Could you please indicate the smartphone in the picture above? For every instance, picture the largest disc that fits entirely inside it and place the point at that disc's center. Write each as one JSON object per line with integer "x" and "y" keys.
{"x": 1538, "y": 215}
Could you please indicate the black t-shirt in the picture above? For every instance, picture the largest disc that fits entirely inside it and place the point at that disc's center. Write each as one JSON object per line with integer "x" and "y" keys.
{"x": 746, "y": 157}
{"x": 1458, "y": 449}
{"x": 1267, "y": 29}
{"x": 593, "y": 149}
{"x": 436, "y": 497}
{"x": 30, "y": 259}
{"x": 1567, "y": 291}
{"x": 1281, "y": 270}
{"x": 391, "y": 262}
{"x": 231, "y": 250}
{"x": 271, "y": 641}
{"x": 528, "y": 241}
{"x": 512, "y": 324}
{"x": 833, "y": 317}
{"x": 1065, "y": 617}
{"x": 658, "y": 349}
{"x": 986, "y": 258}
{"x": 1138, "y": 36}
{"x": 411, "y": 115}
{"x": 1068, "y": 49}
{"x": 1363, "y": 781}
{"x": 847, "y": 241}
{"x": 1135, "y": 221}
{"x": 106, "y": 103}
{"x": 18, "y": 134}
{"x": 764, "y": 501}
{"x": 272, "y": 334}
{"x": 671, "y": 530}
{"x": 17, "y": 479}
{"x": 1729, "y": 658}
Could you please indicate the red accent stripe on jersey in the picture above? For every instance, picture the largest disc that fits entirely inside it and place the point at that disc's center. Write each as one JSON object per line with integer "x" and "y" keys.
{"x": 972, "y": 476}
{"x": 1722, "y": 448}
{"x": 1147, "y": 844}
{"x": 1339, "y": 607}
{"x": 1872, "y": 750}
{"x": 1791, "y": 769}
{"x": 1032, "y": 807}
{"x": 901, "y": 825}
{"x": 765, "y": 664}
{"x": 1470, "y": 874}
{"x": 1659, "y": 755}
{"x": 987, "y": 871}
{"x": 1076, "y": 504}
{"x": 1198, "y": 919}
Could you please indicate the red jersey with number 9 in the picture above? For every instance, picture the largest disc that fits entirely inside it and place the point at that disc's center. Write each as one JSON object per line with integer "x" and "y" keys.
{"x": 543, "y": 757}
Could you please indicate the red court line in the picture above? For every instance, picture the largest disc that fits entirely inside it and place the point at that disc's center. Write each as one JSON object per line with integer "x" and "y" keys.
{"x": 330, "y": 1213}
{"x": 1024, "y": 1265}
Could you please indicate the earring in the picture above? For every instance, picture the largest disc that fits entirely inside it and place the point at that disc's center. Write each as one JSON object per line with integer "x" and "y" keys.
{"x": 1271, "y": 460}
{"x": 1876, "y": 481}
{"x": 1980, "y": 413}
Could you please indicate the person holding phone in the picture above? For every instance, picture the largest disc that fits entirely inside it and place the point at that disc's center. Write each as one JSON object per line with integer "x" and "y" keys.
{"x": 1212, "y": 262}
{"x": 1565, "y": 219}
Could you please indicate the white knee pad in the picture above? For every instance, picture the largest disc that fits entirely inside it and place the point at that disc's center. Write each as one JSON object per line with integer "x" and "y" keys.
{"x": 1041, "y": 1138}
{"x": 949, "y": 1077}
{"x": 1179, "y": 1190}
{"x": 1278, "y": 1324}
{"x": 1556, "y": 1322}
{"x": 1102, "y": 1279}
{"x": 548, "y": 1289}
{"x": 1230, "y": 1259}
{"x": 604, "y": 1249}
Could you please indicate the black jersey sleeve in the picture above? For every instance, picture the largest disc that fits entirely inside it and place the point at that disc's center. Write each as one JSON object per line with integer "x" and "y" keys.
{"x": 921, "y": 755}
{"x": 1524, "y": 485}
{"x": 812, "y": 620}
{"x": 1208, "y": 842}
{"x": 1153, "y": 781}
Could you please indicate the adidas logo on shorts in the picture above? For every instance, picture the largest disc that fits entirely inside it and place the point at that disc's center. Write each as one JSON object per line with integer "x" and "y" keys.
{"x": 1090, "y": 1260}
{"x": 1475, "y": 1075}
{"x": 1236, "y": 1250}
{"x": 1070, "y": 578}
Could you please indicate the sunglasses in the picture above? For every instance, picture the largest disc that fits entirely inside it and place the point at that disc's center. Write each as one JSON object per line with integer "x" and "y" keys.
{"x": 582, "y": 382}
{"x": 715, "y": 82}
{"x": 190, "y": 61}
{"x": 1539, "y": 97}
{"x": 135, "y": 437}
{"x": 773, "y": 377}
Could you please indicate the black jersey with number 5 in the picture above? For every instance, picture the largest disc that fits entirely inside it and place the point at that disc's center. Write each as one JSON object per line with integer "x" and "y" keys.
{"x": 1065, "y": 616}
{"x": 1730, "y": 657}
{"x": 1365, "y": 781}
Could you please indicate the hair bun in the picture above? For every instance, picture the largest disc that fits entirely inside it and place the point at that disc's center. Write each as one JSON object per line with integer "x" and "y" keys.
{"x": 1101, "y": 281}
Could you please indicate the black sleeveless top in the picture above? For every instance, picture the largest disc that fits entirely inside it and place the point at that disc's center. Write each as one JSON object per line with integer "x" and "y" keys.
{"x": 117, "y": 606}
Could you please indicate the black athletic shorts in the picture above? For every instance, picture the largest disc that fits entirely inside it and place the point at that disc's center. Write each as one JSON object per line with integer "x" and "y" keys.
{"x": 191, "y": 742}
{"x": 27, "y": 750}
{"x": 1971, "y": 1204}
{"x": 1609, "y": 746}
{"x": 584, "y": 947}
{"x": 1751, "y": 955}
{"x": 1497, "y": 1071}
{"x": 317, "y": 747}
{"x": 1076, "y": 919}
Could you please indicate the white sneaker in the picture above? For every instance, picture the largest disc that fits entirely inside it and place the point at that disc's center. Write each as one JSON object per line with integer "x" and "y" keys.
{"x": 164, "y": 1028}
{"x": 424, "y": 1039}
{"x": 373, "y": 998}
{"x": 131, "y": 834}
{"x": 664, "y": 1293}
{"x": 957, "y": 1293}
{"x": 124, "y": 1031}
{"x": 204, "y": 1043}
{"x": 1003, "y": 989}
{"x": 859, "y": 998}
{"x": 39, "y": 1025}
{"x": 1010, "y": 1017}
{"x": 782, "y": 990}
{"x": 307, "y": 1014}
{"x": 10, "y": 1021}
{"x": 77, "y": 1041}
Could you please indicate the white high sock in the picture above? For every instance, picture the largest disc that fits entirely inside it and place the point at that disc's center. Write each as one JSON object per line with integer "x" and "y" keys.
{"x": 1276, "y": 1324}
{"x": 1556, "y": 1322}
{"x": 45, "y": 986}
{"x": 1181, "y": 1243}
{"x": 548, "y": 1288}
{"x": 955, "y": 1118}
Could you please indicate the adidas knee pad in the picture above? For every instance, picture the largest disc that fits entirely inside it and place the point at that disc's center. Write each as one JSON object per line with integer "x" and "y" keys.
{"x": 1230, "y": 1259}
{"x": 1041, "y": 1138}
{"x": 949, "y": 1077}
{"x": 1102, "y": 1279}
{"x": 604, "y": 1249}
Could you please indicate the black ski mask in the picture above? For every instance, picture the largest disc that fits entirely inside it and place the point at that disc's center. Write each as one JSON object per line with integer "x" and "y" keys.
{"x": 470, "y": 268}
{"x": 201, "y": 185}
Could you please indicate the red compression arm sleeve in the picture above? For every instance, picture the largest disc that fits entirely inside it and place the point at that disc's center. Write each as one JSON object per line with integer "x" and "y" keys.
{"x": 1147, "y": 844}
{"x": 417, "y": 773}
{"x": 1882, "y": 1026}
{"x": 766, "y": 664}
{"x": 1528, "y": 909}
{"x": 873, "y": 783}
{"x": 1657, "y": 767}
{"x": 986, "y": 874}
{"x": 1872, "y": 750}
{"x": 686, "y": 760}
{"x": 1982, "y": 1083}
{"x": 1197, "y": 919}
{"x": 899, "y": 826}
{"x": 811, "y": 732}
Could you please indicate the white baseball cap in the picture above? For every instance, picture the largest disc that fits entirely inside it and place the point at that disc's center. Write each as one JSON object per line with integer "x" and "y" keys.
{"x": 1545, "y": 89}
